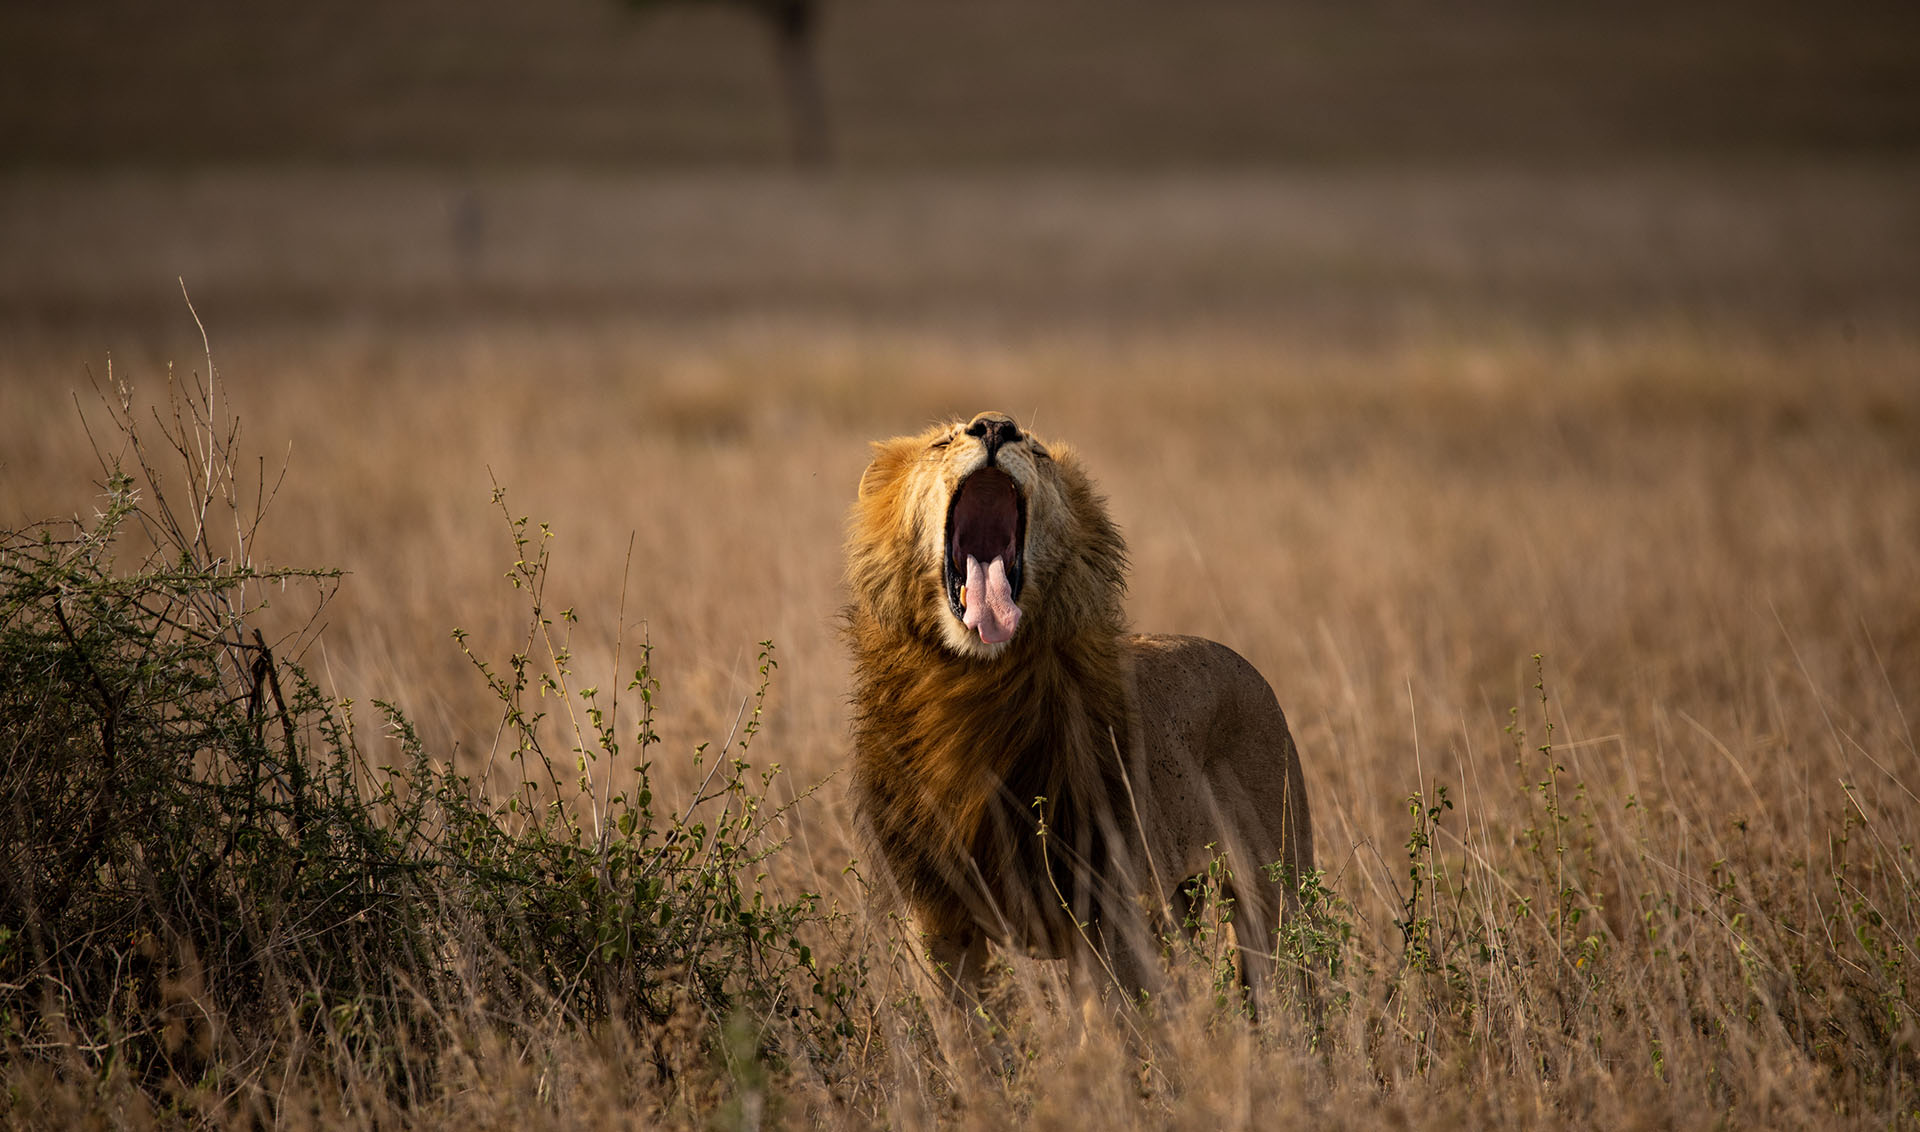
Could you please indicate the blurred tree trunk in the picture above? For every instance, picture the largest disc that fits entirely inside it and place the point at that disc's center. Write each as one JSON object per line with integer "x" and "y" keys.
{"x": 797, "y": 46}
{"x": 795, "y": 25}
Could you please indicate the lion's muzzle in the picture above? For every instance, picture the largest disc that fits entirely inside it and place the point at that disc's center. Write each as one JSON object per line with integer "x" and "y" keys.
{"x": 984, "y": 565}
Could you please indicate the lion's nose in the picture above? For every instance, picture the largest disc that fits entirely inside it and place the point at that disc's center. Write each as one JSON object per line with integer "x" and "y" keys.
{"x": 995, "y": 429}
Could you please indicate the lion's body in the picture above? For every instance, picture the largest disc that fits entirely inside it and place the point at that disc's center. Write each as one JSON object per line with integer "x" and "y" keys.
{"x": 1220, "y": 763}
{"x": 1029, "y": 773}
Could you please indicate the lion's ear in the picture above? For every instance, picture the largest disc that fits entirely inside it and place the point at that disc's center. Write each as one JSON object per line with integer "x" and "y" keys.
{"x": 888, "y": 456}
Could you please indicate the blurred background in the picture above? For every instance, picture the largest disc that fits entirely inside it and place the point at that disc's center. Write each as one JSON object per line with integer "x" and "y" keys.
{"x": 1101, "y": 160}
{"x": 1349, "y": 304}
{"x": 1127, "y": 84}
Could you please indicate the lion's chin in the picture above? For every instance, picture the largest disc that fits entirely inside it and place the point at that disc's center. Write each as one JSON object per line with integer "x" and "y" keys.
{"x": 965, "y": 642}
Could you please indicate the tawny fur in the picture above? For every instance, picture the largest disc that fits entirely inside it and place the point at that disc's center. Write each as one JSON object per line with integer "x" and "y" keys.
{"x": 1050, "y": 792}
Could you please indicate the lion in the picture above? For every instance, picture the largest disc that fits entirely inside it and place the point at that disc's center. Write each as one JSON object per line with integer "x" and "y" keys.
{"x": 1030, "y": 773}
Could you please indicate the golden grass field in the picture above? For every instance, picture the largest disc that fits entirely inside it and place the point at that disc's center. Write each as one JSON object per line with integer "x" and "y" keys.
{"x": 1387, "y": 439}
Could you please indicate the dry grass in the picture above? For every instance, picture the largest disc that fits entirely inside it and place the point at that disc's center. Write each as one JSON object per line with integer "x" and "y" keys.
{"x": 1710, "y": 526}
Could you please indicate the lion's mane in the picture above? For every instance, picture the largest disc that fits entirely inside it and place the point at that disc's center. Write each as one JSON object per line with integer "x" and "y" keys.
{"x": 959, "y": 765}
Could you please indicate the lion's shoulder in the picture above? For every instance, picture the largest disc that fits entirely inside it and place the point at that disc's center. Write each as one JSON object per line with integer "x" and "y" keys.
{"x": 1174, "y": 667}
{"x": 1199, "y": 699}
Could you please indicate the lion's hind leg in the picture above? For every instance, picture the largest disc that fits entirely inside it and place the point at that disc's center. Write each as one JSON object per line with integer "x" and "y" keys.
{"x": 1253, "y": 943}
{"x": 1273, "y": 980}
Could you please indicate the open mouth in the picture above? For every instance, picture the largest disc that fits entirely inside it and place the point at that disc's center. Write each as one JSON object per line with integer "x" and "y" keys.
{"x": 985, "y": 561}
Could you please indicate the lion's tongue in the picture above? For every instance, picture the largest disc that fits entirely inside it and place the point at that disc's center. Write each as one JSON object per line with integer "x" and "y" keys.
{"x": 990, "y": 607}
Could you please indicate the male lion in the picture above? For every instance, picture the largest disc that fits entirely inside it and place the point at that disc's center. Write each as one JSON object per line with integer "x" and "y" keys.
{"x": 1028, "y": 771}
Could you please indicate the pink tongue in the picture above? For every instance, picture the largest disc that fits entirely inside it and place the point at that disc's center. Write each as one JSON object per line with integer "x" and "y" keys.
{"x": 990, "y": 607}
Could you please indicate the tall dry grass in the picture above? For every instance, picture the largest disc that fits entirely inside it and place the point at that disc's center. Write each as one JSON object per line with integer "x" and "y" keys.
{"x": 1672, "y": 879}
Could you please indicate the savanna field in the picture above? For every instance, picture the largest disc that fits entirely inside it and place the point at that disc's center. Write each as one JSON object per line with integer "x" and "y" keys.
{"x": 422, "y": 701}
{"x": 1573, "y": 520}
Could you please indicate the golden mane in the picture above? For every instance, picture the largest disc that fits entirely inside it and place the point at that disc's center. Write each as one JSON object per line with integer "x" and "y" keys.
{"x": 951, "y": 754}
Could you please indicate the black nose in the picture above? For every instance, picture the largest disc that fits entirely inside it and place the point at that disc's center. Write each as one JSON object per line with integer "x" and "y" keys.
{"x": 995, "y": 429}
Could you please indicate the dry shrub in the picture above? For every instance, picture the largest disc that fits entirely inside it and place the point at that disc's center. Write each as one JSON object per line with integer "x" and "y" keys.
{"x": 218, "y": 908}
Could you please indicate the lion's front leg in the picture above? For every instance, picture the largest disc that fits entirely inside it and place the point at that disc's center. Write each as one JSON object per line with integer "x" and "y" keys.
{"x": 959, "y": 963}
{"x": 1119, "y": 963}
{"x": 1135, "y": 971}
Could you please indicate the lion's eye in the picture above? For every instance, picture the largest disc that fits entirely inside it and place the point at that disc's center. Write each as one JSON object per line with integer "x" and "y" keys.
{"x": 1040, "y": 453}
{"x": 941, "y": 443}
